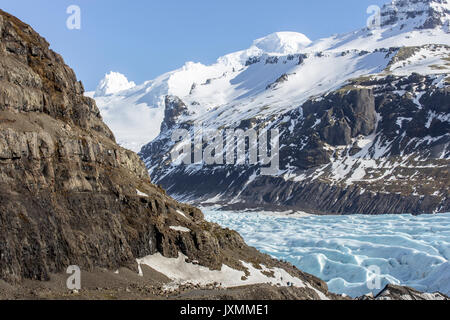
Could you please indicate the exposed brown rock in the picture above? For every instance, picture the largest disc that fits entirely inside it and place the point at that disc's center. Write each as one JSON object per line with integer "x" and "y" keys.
{"x": 69, "y": 195}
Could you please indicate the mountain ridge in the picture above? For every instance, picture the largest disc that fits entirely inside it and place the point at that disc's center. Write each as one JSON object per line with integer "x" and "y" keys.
{"x": 148, "y": 98}
{"x": 342, "y": 165}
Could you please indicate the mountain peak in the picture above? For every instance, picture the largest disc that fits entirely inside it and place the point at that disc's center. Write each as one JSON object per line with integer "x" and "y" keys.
{"x": 418, "y": 14}
{"x": 282, "y": 42}
{"x": 112, "y": 83}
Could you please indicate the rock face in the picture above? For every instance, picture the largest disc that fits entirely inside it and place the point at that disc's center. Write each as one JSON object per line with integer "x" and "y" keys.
{"x": 342, "y": 116}
{"x": 174, "y": 109}
{"x": 69, "y": 195}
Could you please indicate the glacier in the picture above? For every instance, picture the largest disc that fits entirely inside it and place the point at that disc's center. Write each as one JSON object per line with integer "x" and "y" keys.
{"x": 409, "y": 250}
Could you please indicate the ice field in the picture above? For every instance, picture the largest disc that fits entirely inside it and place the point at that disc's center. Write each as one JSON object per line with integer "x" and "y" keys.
{"x": 348, "y": 251}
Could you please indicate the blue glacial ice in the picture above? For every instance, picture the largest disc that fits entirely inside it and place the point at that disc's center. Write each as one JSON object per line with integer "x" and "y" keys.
{"x": 409, "y": 250}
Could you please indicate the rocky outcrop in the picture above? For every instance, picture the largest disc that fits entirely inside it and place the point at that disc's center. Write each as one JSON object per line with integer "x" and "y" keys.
{"x": 69, "y": 195}
{"x": 420, "y": 14}
{"x": 393, "y": 292}
{"x": 343, "y": 116}
{"x": 174, "y": 109}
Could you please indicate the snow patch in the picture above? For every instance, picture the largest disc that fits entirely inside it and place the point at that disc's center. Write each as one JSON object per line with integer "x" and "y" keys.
{"x": 182, "y": 272}
{"x": 180, "y": 229}
{"x": 141, "y": 194}
{"x": 181, "y": 213}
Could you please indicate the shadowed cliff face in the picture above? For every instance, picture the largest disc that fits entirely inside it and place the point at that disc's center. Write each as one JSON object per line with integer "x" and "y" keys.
{"x": 69, "y": 195}
{"x": 35, "y": 79}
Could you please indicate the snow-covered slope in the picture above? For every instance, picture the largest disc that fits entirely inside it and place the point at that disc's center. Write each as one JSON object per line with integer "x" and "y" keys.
{"x": 134, "y": 122}
{"x": 113, "y": 83}
{"x": 234, "y": 81}
{"x": 282, "y": 43}
{"x": 272, "y": 83}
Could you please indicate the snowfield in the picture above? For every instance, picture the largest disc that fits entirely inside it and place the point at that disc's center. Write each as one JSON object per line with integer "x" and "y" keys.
{"x": 409, "y": 250}
{"x": 182, "y": 272}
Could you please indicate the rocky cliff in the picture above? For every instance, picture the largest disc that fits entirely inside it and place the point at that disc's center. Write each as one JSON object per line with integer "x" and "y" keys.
{"x": 69, "y": 195}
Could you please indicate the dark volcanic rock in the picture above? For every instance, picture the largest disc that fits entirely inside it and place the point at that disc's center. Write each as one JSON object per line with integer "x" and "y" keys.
{"x": 343, "y": 116}
{"x": 174, "y": 109}
{"x": 393, "y": 292}
{"x": 69, "y": 195}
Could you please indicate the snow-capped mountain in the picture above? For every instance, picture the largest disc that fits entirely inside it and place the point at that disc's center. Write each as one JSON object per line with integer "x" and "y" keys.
{"x": 133, "y": 122}
{"x": 282, "y": 43}
{"x": 135, "y": 113}
{"x": 113, "y": 83}
{"x": 363, "y": 117}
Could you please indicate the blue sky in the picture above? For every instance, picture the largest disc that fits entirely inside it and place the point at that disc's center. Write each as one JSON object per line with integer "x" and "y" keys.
{"x": 145, "y": 38}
